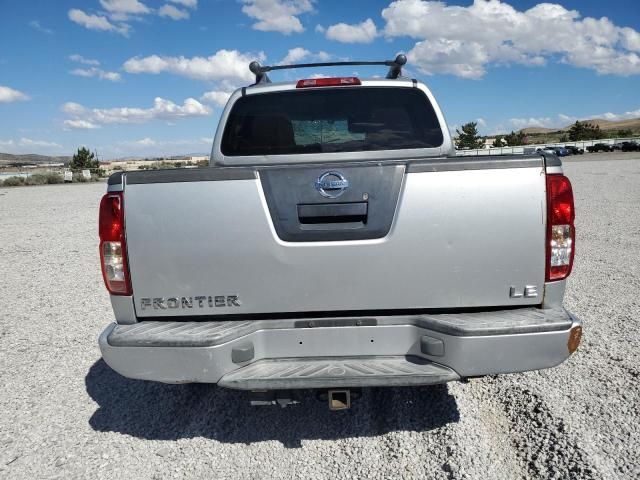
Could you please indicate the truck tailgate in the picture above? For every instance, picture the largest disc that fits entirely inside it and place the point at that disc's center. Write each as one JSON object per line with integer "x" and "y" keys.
{"x": 440, "y": 235}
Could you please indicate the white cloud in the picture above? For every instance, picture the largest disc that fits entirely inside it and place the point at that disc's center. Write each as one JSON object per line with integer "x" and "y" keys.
{"x": 298, "y": 54}
{"x": 277, "y": 15}
{"x": 85, "y": 72}
{"x": 93, "y": 71}
{"x": 85, "y": 61}
{"x": 28, "y": 145}
{"x": 161, "y": 109}
{"x": 97, "y": 22}
{"x": 123, "y": 8}
{"x": 186, "y": 3}
{"x": 449, "y": 56}
{"x": 146, "y": 142}
{"x": 563, "y": 120}
{"x": 35, "y": 24}
{"x": 216, "y": 97}
{"x": 465, "y": 41}
{"x": 543, "y": 122}
{"x": 80, "y": 124}
{"x": 8, "y": 95}
{"x": 96, "y": 72}
{"x": 619, "y": 116}
{"x": 94, "y": 22}
{"x": 295, "y": 55}
{"x": 566, "y": 119}
{"x": 173, "y": 12}
{"x": 73, "y": 108}
{"x": 111, "y": 76}
{"x": 27, "y": 142}
{"x": 631, "y": 39}
{"x": 226, "y": 65}
{"x": 481, "y": 122}
{"x": 364, "y": 32}
{"x": 118, "y": 14}
{"x": 320, "y": 29}
{"x": 153, "y": 147}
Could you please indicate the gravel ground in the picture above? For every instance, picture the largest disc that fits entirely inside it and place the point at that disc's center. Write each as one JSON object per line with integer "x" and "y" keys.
{"x": 65, "y": 414}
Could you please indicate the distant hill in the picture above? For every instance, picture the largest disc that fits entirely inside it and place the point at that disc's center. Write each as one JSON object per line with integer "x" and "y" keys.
{"x": 541, "y": 130}
{"x": 631, "y": 124}
{"x": 30, "y": 159}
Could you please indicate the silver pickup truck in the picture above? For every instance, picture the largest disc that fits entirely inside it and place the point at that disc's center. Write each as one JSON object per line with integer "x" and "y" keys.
{"x": 337, "y": 242}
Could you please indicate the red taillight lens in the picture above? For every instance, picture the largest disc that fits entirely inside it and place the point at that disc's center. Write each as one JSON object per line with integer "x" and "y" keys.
{"x": 328, "y": 82}
{"x": 113, "y": 247}
{"x": 561, "y": 232}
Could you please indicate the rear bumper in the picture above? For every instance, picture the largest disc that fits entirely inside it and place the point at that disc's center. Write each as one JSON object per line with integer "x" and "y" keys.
{"x": 345, "y": 352}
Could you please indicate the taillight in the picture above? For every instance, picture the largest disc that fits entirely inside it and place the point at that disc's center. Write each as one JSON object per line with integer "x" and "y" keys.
{"x": 328, "y": 82}
{"x": 113, "y": 247}
{"x": 561, "y": 233}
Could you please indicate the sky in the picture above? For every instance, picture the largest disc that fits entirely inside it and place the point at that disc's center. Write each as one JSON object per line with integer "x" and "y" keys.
{"x": 150, "y": 77}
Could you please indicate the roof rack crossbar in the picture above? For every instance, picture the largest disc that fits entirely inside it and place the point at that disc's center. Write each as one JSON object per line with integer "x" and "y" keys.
{"x": 260, "y": 71}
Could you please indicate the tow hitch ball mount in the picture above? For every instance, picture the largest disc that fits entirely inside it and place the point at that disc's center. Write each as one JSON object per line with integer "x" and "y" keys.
{"x": 338, "y": 399}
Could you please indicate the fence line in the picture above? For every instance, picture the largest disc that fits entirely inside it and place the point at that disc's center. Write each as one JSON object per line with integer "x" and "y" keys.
{"x": 520, "y": 150}
{"x": 66, "y": 174}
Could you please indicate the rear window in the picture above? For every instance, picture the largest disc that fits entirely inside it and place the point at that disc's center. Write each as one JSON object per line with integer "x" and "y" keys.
{"x": 343, "y": 119}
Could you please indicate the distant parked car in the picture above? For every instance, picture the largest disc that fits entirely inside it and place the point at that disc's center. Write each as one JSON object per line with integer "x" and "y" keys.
{"x": 630, "y": 147}
{"x": 617, "y": 146}
{"x": 573, "y": 150}
{"x": 546, "y": 150}
{"x": 560, "y": 151}
{"x": 600, "y": 147}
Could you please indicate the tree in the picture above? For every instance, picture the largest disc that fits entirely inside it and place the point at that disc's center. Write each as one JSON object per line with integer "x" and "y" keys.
{"x": 584, "y": 131}
{"x": 83, "y": 159}
{"x": 499, "y": 141}
{"x": 564, "y": 138}
{"x": 468, "y": 137}
{"x": 625, "y": 133}
{"x": 515, "y": 138}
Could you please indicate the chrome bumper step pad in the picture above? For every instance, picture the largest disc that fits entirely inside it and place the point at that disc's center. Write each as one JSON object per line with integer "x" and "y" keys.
{"x": 293, "y": 373}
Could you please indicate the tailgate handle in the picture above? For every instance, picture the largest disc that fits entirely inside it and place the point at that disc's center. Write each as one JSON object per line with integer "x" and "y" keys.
{"x": 333, "y": 213}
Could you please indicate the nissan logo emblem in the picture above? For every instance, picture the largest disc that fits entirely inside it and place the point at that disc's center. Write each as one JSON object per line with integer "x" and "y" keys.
{"x": 331, "y": 184}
